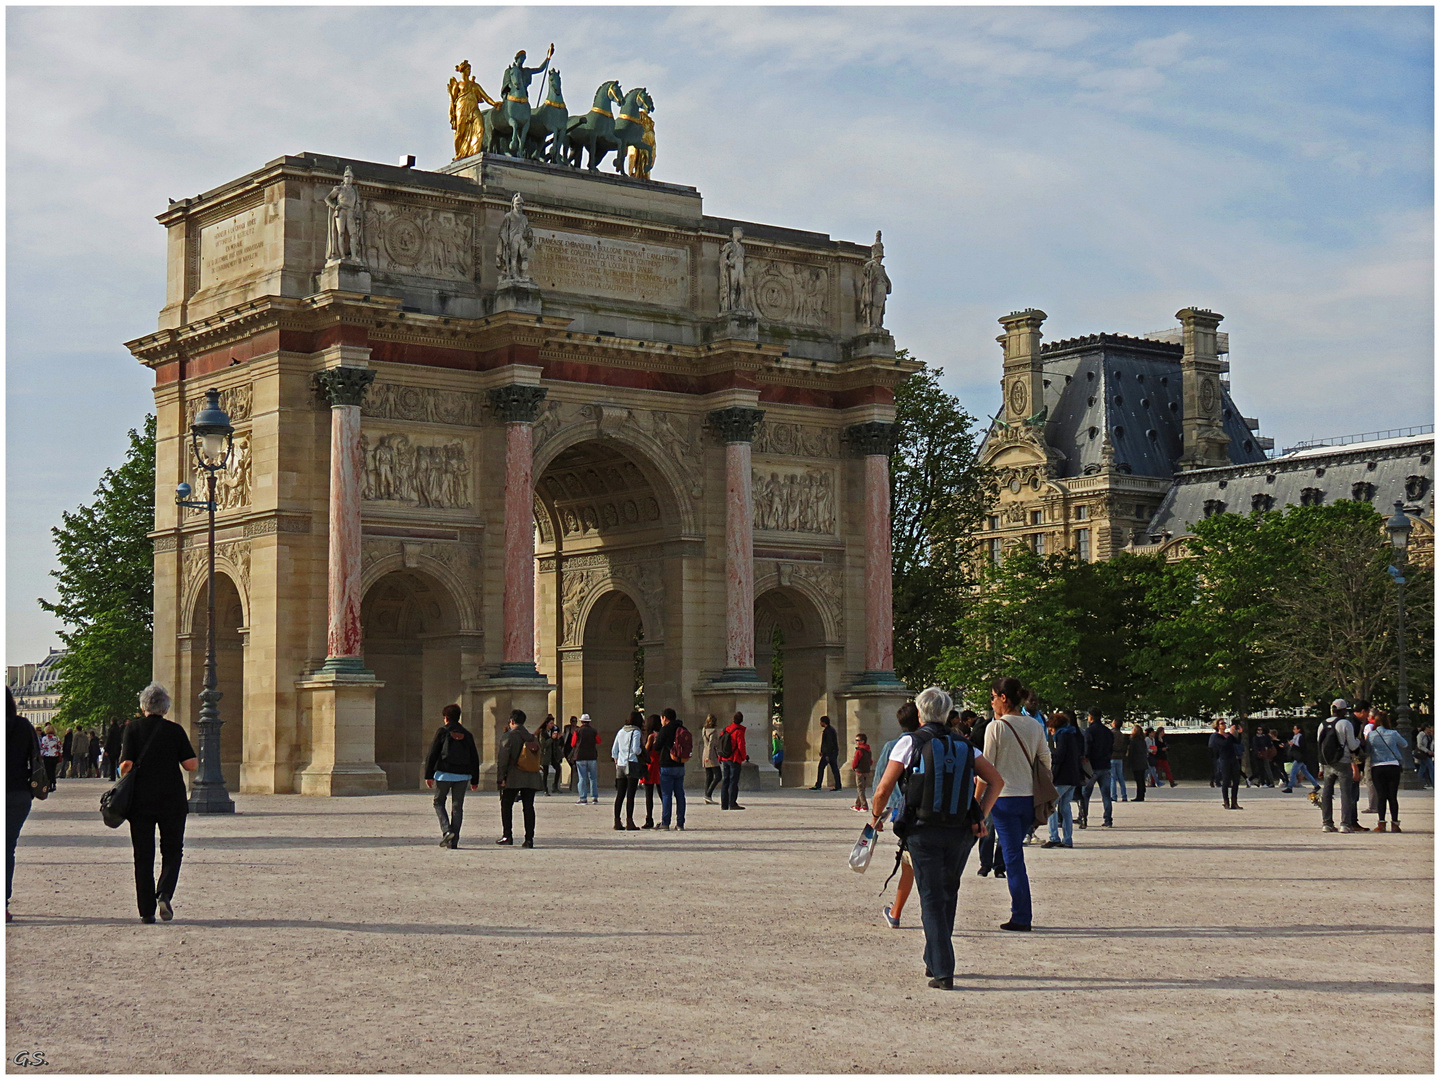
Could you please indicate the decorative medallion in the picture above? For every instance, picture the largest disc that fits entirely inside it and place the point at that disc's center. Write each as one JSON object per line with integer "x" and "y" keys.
{"x": 1019, "y": 397}
{"x": 1207, "y": 396}
{"x": 404, "y": 241}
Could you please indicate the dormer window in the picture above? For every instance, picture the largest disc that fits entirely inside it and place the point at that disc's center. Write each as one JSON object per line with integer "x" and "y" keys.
{"x": 1362, "y": 492}
{"x": 1312, "y": 497}
{"x": 1262, "y": 503}
{"x": 1213, "y": 507}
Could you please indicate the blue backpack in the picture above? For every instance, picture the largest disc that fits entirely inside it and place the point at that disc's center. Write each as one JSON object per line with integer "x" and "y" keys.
{"x": 939, "y": 783}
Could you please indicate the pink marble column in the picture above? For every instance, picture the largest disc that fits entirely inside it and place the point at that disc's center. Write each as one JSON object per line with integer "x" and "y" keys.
{"x": 737, "y": 426}
{"x": 345, "y": 387}
{"x": 518, "y": 406}
{"x": 873, "y": 442}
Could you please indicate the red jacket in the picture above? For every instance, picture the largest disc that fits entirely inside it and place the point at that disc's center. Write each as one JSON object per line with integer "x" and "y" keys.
{"x": 737, "y": 733}
{"x": 863, "y": 748}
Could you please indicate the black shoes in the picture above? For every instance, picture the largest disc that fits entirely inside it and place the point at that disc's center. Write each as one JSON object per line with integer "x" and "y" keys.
{"x": 618, "y": 826}
{"x": 834, "y": 789}
{"x": 454, "y": 841}
{"x": 445, "y": 840}
{"x": 147, "y": 918}
{"x": 164, "y": 910}
{"x": 737, "y": 806}
{"x": 815, "y": 788}
{"x": 528, "y": 843}
{"x": 648, "y": 825}
{"x": 505, "y": 841}
{"x": 942, "y": 984}
{"x": 632, "y": 827}
{"x": 999, "y": 873}
{"x": 984, "y": 871}
{"x": 1014, "y": 926}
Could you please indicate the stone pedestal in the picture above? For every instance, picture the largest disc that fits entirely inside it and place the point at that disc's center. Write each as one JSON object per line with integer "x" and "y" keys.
{"x": 345, "y": 276}
{"x": 735, "y": 326}
{"x": 733, "y": 692}
{"x": 342, "y": 734}
{"x": 870, "y": 706}
{"x": 873, "y": 345}
{"x": 493, "y": 699}
{"x": 521, "y": 296}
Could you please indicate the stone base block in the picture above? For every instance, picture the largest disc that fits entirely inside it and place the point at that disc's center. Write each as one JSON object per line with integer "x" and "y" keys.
{"x": 345, "y": 277}
{"x": 521, "y": 296}
{"x": 343, "y": 780}
{"x": 492, "y": 699}
{"x": 341, "y": 706}
{"x": 870, "y": 706}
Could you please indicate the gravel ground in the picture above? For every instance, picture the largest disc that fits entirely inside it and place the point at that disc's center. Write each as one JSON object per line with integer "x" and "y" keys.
{"x": 316, "y": 935}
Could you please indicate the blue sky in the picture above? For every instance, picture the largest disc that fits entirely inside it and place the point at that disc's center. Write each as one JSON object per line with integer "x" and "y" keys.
{"x": 1109, "y": 165}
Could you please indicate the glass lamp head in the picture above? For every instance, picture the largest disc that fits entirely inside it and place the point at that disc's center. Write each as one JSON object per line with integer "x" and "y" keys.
{"x": 1399, "y": 527}
{"x": 212, "y": 432}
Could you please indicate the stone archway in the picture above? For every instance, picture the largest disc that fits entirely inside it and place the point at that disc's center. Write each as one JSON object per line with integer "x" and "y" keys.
{"x": 410, "y": 622}
{"x": 804, "y": 660}
{"x": 606, "y": 522}
{"x": 231, "y": 633}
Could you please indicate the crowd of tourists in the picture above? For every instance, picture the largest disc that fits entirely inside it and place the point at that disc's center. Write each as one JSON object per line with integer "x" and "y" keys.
{"x": 80, "y": 753}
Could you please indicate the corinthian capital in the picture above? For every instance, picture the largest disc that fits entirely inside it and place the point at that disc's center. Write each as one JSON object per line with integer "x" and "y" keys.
{"x": 872, "y": 438}
{"x": 516, "y": 403}
{"x": 737, "y": 424}
{"x": 344, "y": 385}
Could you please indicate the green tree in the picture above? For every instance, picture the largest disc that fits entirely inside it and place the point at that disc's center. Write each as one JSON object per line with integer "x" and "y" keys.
{"x": 105, "y": 588}
{"x": 938, "y": 494}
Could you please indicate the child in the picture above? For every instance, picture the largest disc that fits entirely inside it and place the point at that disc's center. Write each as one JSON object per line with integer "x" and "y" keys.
{"x": 861, "y": 766}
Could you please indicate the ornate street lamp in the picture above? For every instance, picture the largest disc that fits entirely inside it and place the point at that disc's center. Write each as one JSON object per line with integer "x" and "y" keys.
{"x": 211, "y": 437}
{"x": 1399, "y": 527}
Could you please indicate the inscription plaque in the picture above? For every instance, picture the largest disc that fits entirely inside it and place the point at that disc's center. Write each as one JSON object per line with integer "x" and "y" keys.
{"x": 616, "y": 269}
{"x": 231, "y": 248}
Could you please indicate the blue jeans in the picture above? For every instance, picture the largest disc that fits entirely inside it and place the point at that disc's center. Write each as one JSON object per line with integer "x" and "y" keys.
{"x": 589, "y": 786}
{"x": 672, "y": 781}
{"x": 1299, "y": 769}
{"x": 938, "y": 854}
{"x": 1102, "y": 780}
{"x": 1064, "y": 814}
{"x": 1425, "y": 770}
{"x": 1117, "y": 780}
{"x": 729, "y": 784}
{"x": 1013, "y": 815}
{"x": 17, "y": 809}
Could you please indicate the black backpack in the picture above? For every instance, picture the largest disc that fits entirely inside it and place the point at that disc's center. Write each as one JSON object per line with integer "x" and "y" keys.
{"x": 939, "y": 782}
{"x": 454, "y": 754}
{"x": 724, "y": 744}
{"x": 1330, "y": 749}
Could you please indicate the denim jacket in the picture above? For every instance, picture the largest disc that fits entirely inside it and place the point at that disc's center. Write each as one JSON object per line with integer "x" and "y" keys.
{"x": 626, "y": 749}
{"x": 1385, "y": 747}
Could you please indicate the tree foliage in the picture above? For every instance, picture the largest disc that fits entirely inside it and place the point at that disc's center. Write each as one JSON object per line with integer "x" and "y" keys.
{"x": 938, "y": 494}
{"x": 105, "y": 590}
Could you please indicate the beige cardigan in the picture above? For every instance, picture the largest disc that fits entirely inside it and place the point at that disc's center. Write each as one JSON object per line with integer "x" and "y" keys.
{"x": 1004, "y": 752}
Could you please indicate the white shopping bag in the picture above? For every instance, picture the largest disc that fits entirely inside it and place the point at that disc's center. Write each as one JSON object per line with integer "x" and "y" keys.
{"x": 863, "y": 849}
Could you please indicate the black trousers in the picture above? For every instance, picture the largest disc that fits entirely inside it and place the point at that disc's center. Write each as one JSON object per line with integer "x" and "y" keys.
{"x": 455, "y": 789}
{"x": 938, "y": 855}
{"x": 1386, "y": 779}
{"x": 1230, "y": 782}
{"x": 712, "y": 780}
{"x": 625, "y": 788}
{"x": 834, "y": 771}
{"x": 545, "y": 776}
{"x": 507, "y": 806}
{"x": 52, "y": 766}
{"x": 172, "y": 847}
{"x": 1138, "y": 775}
{"x": 650, "y": 803}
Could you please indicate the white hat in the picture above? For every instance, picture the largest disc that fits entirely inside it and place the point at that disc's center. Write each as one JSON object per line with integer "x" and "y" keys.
{"x": 584, "y": 718}
{"x": 1340, "y": 703}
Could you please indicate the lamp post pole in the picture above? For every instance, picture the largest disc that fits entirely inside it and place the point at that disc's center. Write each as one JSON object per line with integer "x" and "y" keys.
{"x": 1399, "y": 527}
{"x": 211, "y": 440}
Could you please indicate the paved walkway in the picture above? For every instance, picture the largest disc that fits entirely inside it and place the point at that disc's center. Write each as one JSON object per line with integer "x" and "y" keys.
{"x": 320, "y": 935}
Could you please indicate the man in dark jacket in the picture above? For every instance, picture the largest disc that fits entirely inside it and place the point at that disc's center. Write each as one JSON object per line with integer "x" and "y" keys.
{"x": 453, "y": 762}
{"x": 519, "y": 778}
{"x": 67, "y": 758}
{"x": 22, "y": 748}
{"x": 1099, "y": 742}
{"x": 829, "y": 754}
{"x": 113, "y": 739}
{"x": 1069, "y": 775}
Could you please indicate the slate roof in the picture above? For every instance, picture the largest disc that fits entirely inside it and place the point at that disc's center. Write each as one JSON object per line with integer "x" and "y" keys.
{"x": 1378, "y": 473}
{"x": 1130, "y": 387}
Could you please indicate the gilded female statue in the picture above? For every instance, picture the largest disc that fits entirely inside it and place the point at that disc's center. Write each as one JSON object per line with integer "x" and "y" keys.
{"x": 465, "y": 117}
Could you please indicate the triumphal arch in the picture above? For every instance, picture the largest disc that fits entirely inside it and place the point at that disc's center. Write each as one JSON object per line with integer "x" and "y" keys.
{"x": 517, "y": 434}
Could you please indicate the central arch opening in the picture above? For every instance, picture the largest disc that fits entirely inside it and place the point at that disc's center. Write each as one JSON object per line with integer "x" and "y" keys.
{"x": 790, "y": 653}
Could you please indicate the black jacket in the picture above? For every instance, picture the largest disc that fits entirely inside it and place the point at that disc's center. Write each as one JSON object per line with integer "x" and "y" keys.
{"x": 20, "y": 743}
{"x": 468, "y": 752}
{"x": 1065, "y": 761}
{"x": 829, "y": 742}
{"x": 1099, "y": 741}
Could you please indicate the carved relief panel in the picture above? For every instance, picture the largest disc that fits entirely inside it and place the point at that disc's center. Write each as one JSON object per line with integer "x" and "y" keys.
{"x": 797, "y": 440}
{"x": 394, "y": 401}
{"x": 794, "y": 500}
{"x": 419, "y": 471}
{"x": 584, "y": 575}
{"x": 422, "y": 240}
{"x": 790, "y": 292}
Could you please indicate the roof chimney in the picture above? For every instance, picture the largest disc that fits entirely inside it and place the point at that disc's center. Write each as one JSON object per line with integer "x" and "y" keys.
{"x": 1204, "y": 442}
{"x": 1023, "y": 383}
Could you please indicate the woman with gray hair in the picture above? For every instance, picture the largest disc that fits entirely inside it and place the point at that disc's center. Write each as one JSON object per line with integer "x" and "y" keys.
{"x": 157, "y": 749}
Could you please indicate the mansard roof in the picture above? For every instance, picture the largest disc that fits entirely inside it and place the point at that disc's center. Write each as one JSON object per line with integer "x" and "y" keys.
{"x": 1130, "y": 389}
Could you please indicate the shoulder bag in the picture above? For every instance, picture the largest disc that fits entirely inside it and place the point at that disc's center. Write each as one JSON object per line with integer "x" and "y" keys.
{"x": 39, "y": 775}
{"x": 1042, "y": 782}
{"x": 115, "y": 803}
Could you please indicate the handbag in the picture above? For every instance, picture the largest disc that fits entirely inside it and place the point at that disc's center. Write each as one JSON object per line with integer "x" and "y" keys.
{"x": 115, "y": 803}
{"x": 39, "y": 775}
{"x": 1043, "y": 788}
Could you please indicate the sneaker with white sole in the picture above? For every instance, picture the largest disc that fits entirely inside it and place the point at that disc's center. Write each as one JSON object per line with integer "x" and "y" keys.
{"x": 890, "y": 920}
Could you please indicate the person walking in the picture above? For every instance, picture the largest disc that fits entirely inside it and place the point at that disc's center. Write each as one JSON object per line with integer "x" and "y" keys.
{"x": 453, "y": 762}
{"x": 113, "y": 738}
{"x": 1337, "y": 746}
{"x": 1225, "y": 747}
{"x": 674, "y": 747}
{"x": 549, "y": 754}
{"x": 1162, "y": 755}
{"x": 1099, "y": 745}
{"x": 1152, "y": 775}
{"x": 1139, "y": 760}
{"x": 157, "y": 749}
{"x": 80, "y": 754}
{"x": 22, "y": 747}
{"x": 1298, "y": 768}
{"x": 861, "y": 766}
{"x": 1262, "y": 750}
{"x": 650, "y": 759}
{"x": 50, "y": 753}
{"x": 1425, "y": 757}
{"x": 1069, "y": 775}
{"x": 92, "y": 755}
{"x": 67, "y": 760}
{"x": 625, "y": 751}
{"x": 938, "y": 842}
{"x": 1386, "y": 760}
{"x": 708, "y": 758}
{"x": 517, "y": 771}
{"x": 908, "y": 717}
{"x": 1119, "y": 752}
{"x": 1013, "y": 743}
{"x": 585, "y": 739}
{"x": 730, "y": 749}
{"x": 829, "y": 754}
